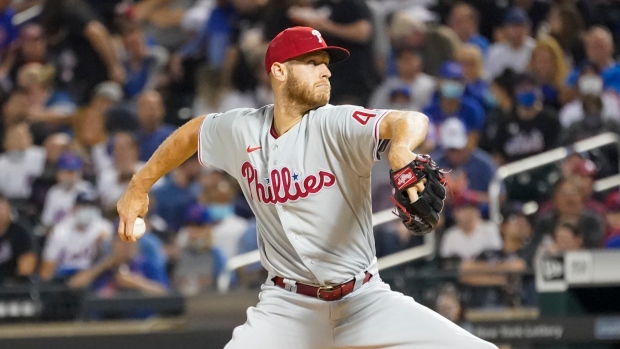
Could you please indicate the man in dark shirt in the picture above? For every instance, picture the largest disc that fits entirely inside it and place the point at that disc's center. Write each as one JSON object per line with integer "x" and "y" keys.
{"x": 532, "y": 129}
{"x": 81, "y": 47}
{"x": 348, "y": 24}
{"x": 17, "y": 257}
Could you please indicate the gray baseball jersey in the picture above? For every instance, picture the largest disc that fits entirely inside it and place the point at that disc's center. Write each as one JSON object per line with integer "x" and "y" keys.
{"x": 309, "y": 188}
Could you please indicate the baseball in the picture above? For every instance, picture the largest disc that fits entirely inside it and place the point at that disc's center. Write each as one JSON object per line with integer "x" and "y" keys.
{"x": 139, "y": 228}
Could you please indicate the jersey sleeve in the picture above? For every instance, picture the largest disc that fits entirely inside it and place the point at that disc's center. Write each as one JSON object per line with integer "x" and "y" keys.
{"x": 214, "y": 140}
{"x": 355, "y": 132}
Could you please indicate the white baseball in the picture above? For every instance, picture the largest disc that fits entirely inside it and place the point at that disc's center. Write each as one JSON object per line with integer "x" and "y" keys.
{"x": 139, "y": 228}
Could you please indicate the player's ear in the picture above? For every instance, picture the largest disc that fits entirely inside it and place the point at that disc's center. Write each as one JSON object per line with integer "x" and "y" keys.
{"x": 278, "y": 70}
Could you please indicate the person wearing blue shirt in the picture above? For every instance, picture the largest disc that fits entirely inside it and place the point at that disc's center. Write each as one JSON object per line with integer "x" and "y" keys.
{"x": 213, "y": 38}
{"x": 8, "y": 32}
{"x": 152, "y": 130}
{"x": 464, "y": 20}
{"x": 176, "y": 194}
{"x": 143, "y": 62}
{"x": 451, "y": 101}
{"x": 470, "y": 58}
{"x": 599, "y": 51}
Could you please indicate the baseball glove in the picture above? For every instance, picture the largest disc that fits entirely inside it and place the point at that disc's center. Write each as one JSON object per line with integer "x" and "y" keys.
{"x": 421, "y": 216}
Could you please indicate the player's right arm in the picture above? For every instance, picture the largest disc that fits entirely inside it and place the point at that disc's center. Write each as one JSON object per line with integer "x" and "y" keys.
{"x": 177, "y": 148}
{"x": 211, "y": 135}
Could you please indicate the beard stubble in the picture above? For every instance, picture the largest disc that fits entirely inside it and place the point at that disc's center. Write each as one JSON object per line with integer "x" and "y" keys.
{"x": 302, "y": 94}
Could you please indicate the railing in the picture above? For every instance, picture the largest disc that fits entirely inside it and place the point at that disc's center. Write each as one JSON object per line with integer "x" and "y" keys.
{"x": 546, "y": 158}
{"x": 424, "y": 250}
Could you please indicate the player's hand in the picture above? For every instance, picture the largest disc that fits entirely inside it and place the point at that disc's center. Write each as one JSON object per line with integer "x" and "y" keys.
{"x": 134, "y": 203}
{"x": 417, "y": 188}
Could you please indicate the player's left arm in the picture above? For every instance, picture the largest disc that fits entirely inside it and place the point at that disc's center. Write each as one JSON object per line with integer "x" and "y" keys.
{"x": 407, "y": 130}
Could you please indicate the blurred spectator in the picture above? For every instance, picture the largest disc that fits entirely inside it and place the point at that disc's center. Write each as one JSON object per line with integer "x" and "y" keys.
{"x": 246, "y": 35}
{"x": 138, "y": 267}
{"x": 55, "y": 145}
{"x": 537, "y": 10}
{"x": 395, "y": 238}
{"x": 448, "y": 303}
{"x": 566, "y": 27}
{"x": 176, "y": 193}
{"x": 583, "y": 171}
{"x": 218, "y": 193}
{"x": 470, "y": 58}
{"x": 501, "y": 101}
{"x": 435, "y": 45}
{"x": 89, "y": 128}
{"x": 143, "y": 63}
{"x": 211, "y": 42}
{"x": 31, "y": 47}
{"x": 77, "y": 241}
{"x": 568, "y": 208}
{"x": 17, "y": 252}
{"x": 593, "y": 107}
{"x": 200, "y": 262}
{"x": 49, "y": 109}
{"x": 566, "y": 237}
{"x": 253, "y": 275}
{"x": 212, "y": 96}
{"x": 514, "y": 52}
{"x": 410, "y": 89}
{"x": 83, "y": 51}
{"x": 152, "y": 129}
{"x": 612, "y": 218}
{"x": 532, "y": 128}
{"x": 599, "y": 51}
{"x": 14, "y": 110}
{"x": 60, "y": 199}
{"x": 501, "y": 268}
{"x": 348, "y": 24}
{"x": 166, "y": 20}
{"x": 113, "y": 180}
{"x": 20, "y": 164}
{"x": 8, "y": 31}
{"x": 548, "y": 65}
{"x": 450, "y": 101}
{"x": 456, "y": 153}
{"x": 464, "y": 19}
{"x": 471, "y": 235}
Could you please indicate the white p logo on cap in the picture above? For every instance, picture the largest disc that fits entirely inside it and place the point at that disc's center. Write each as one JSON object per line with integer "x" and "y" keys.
{"x": 317, "y": 34}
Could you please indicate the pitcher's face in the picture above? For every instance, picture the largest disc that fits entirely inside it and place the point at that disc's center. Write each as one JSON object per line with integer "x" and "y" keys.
{"x": 307, "y": 82}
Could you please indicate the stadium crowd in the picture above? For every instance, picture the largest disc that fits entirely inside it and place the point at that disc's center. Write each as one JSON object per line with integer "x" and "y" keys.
{"x": 90, "y": 88}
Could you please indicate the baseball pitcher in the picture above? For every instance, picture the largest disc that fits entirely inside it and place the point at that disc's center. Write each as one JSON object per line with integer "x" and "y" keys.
{"x": 304, "y": 167}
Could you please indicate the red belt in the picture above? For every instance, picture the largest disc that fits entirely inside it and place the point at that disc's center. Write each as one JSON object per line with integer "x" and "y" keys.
{"x": 326, "y": 293}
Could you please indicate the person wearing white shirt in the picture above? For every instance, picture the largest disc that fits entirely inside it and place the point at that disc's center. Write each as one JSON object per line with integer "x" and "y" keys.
{"x": 590, "y": 85}
{"x": 419, "y": 86}
{"x": 75, "y": 243}
{"x": 515, "y": 51}
{"x": 471, "y": 235}
{"x": 20, "y": 164}
{"x": 60, "y": 199}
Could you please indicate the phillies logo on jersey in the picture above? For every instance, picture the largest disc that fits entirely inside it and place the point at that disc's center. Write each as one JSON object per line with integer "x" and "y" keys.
{"x": 283, "y": 185}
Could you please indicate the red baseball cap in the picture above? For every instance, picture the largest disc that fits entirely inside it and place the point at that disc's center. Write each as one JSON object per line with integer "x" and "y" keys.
{"x": 297, "y": 41}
